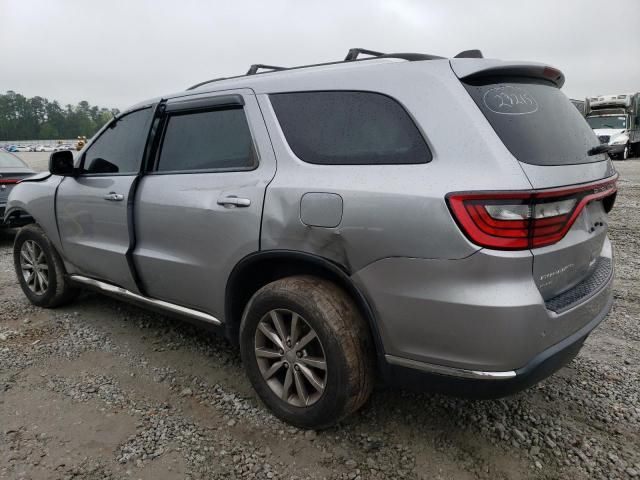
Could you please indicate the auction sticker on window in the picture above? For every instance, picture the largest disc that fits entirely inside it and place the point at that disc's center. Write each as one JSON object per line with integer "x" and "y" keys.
{"x": 510, "y": 100}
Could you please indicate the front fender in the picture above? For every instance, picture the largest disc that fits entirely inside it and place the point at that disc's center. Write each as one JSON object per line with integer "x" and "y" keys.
{"x": 37, "y": 200}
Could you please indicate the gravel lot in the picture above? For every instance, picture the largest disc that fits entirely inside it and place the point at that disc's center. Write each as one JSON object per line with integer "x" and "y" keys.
{"x": 101, "y": 389}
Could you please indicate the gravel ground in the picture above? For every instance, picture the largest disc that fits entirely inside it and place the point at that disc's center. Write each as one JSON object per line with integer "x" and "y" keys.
{"x": 101, "y": 389}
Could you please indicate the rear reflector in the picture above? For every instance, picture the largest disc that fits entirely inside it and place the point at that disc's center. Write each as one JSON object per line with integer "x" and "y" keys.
{"x": 523, "y": 220}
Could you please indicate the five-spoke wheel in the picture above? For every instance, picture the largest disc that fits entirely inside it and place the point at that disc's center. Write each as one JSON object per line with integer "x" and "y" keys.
{"x": 290, "y": 357}
{"x": 40, "y": 269}
{"x": 307, "y": 350}
{"x": 34, "y": 267}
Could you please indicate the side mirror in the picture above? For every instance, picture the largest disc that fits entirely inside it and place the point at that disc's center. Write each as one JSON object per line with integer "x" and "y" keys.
{"x": 61, "y": 163}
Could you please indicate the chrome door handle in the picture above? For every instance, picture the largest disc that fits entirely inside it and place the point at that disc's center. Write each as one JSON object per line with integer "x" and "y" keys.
{"x": 233, "y": 201}
{"x": 114, "y": 197}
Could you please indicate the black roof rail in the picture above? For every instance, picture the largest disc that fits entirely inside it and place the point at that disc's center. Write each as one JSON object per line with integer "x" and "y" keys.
{"x": 192, "y": 87}
{"x": 352, "y": 56}
{"x": 259, "y": 66}
{"x": 411, "y": 57}
{"x": 470, "y": 54}
{"x": 354, "y": 52}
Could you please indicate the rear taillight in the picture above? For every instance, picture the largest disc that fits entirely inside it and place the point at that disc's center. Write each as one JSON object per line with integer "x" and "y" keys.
{"x": 6, "y": 181}
{"x": 522, "y": 220}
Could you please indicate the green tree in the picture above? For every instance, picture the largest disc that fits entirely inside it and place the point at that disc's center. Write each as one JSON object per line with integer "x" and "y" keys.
{"x": 37, "y": 118}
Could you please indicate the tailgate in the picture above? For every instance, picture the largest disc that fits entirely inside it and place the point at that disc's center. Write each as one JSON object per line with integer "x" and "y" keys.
{"x": 550, "y": 140}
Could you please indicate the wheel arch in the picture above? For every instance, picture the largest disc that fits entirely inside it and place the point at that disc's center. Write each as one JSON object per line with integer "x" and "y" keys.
{"x": 260, "y": 268}
{"x": 17, "y": 217}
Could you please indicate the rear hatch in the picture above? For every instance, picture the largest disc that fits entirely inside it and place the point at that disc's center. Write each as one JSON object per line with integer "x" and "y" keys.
{"x": 550, "y": 139}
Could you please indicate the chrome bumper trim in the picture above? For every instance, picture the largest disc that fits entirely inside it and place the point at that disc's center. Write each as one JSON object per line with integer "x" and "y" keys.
{"x": 128, "y": 295}
{"x": 449, "y": 371}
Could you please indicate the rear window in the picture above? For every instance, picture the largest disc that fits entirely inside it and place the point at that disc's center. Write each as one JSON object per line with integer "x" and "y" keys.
{"x": 349, "y": 128}
{"x": 535, "y": 120}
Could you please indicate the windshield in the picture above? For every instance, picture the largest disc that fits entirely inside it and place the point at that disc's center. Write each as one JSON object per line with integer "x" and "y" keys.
{"x": 535, "y": 120}
{"x": 609, "y": 121}
{"x": 8, "y": 160}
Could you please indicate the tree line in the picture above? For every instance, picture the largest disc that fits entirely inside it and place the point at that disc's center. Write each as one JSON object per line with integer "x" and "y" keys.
{"x": 37, "y": 118}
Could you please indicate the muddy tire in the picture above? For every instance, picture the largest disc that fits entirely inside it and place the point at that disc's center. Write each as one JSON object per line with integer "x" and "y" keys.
{"x": 307, "y": 351}
{"x": 40, "y": 270}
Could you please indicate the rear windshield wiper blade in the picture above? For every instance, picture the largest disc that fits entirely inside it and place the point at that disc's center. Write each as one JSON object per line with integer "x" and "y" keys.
{"x": 598, "y": 149}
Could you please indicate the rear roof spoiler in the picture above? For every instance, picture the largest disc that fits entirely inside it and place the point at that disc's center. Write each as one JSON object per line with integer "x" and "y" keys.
{"x": 472, "y": 68}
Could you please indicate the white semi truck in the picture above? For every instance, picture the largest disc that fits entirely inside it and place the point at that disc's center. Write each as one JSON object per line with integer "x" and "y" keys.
{"x": 616, "y": 121}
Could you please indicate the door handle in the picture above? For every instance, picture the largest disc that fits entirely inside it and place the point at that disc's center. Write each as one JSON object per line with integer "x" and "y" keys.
{"x": 233, "y": 201}
{"x": 114, "y": 197}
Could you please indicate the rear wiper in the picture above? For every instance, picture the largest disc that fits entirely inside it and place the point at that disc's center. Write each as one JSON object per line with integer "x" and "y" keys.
{"x": 598, "y": 149}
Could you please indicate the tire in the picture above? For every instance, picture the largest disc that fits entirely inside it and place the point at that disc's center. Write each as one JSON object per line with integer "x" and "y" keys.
{"x": 57, "y": 290}
{"x": 342, "y": 337}
{"x": 625, "y": 152}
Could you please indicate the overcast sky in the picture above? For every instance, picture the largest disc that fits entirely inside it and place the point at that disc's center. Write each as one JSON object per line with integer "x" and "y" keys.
{"x": 115, "y": 53}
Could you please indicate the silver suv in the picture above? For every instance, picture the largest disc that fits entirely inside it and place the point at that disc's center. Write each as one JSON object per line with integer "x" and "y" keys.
{"x": 428, "y": 222}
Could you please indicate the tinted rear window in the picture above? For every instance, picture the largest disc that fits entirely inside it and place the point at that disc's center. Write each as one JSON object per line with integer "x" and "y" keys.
{"x": 349, "y": 128}
{"x": 535, "y": 120}
{"x": 218, "y": 139}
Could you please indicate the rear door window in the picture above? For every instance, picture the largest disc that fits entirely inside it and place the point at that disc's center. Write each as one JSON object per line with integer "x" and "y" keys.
{"x": 535, "y": 120}
{"x": 349, "y": 128}
{"x": 207, "y": 140}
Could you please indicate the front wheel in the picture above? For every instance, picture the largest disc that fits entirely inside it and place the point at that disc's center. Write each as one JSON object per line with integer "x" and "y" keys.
{"x": 307, "y": 351}
{"x": 40, "y": 269}
{"x": 625, "y": 152}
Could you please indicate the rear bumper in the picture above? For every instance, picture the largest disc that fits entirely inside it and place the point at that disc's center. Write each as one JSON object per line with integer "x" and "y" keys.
{"x": 473, "y": 384}
{"x": 479, "y": 319}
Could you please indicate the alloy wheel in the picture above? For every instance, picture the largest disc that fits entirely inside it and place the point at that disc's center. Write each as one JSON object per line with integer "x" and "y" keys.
{"x": 34, "y": 267}
{"x": 291, "y": 357}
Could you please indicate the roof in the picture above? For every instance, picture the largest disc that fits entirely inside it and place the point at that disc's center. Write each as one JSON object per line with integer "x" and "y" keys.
{"x": 351, "y": 57}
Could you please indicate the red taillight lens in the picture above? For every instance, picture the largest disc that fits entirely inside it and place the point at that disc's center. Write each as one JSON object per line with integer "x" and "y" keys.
{"x": 522, "y": 220}
{"x": 8, "y": 181}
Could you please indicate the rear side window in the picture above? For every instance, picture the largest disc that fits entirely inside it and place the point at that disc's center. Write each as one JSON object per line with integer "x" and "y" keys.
{"x": 119, "y": 149}
{"x": 349, "y": 128}
{"x": 535, "y": 120}
{"x": 210, "y": 140}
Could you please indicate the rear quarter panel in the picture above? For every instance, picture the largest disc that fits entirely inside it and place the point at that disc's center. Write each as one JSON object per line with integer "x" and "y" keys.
{"x": 390, "y": 210}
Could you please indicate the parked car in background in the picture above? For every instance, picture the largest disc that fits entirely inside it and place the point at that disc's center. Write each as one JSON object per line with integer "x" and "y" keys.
{"x": 21, "y": 148}
{"x": 64, "y": 146}
{"x": 44, "y": 148}
{"x": 12, "y": 169}
{"x": 435, "y": 223}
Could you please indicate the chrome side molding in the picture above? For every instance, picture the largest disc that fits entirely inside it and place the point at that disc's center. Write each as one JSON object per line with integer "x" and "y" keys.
{"x": 449, "y": 371}
{"x": 128, "y": 295}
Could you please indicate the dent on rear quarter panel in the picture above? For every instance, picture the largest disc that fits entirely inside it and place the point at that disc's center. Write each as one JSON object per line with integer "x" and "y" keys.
{"x": 38, "y": 200}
